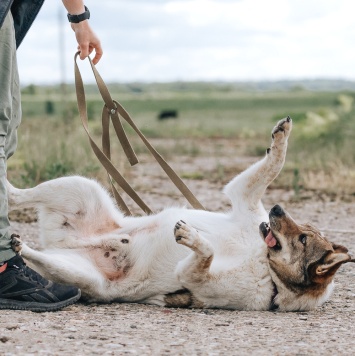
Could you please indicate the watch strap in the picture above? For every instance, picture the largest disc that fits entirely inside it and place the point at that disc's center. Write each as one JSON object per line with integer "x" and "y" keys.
{"x": 81, "y": 17}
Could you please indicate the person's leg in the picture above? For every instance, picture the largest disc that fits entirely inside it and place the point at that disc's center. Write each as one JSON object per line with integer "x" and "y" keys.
{"x": 10, "y": 115}
{"x": 21, "y": 288}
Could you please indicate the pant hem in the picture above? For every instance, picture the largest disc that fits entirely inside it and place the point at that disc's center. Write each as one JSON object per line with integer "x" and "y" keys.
{"x": 6, "y": 255}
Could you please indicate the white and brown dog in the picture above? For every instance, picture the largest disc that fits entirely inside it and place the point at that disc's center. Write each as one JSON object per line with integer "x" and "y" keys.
{"x": 209, "y": 259}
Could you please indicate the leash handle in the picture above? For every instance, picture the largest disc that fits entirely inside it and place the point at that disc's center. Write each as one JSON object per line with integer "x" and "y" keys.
{"x": 111, "y": 110}
{"x": 105, "y": 161}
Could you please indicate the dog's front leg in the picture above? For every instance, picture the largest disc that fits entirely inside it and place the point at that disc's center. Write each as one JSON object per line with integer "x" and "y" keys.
{"x": 195, "y": 268}
{"x": 247, "y": 189}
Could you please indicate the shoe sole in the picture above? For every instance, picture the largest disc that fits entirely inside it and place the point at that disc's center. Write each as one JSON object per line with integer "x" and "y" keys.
{"x": 38, "y": 307}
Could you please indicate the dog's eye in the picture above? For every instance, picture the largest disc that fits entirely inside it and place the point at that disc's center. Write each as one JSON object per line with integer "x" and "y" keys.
{"x": 303, "y": 238}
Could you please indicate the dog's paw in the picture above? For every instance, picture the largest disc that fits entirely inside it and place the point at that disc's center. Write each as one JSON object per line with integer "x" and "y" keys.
{"x": 282, "y": 130}
{"x": 185, "y": 234}
{"x": 16, "y": 243}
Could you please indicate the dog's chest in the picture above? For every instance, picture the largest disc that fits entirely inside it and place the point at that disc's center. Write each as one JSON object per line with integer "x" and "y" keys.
{"x": 241, "y": 280}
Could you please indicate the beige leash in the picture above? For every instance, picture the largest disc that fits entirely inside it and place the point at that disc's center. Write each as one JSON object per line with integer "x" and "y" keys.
{"x": 112, "y": 110}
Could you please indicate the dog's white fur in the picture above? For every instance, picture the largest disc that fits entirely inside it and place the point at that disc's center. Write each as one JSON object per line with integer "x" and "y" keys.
{"x": 220, "y": 257}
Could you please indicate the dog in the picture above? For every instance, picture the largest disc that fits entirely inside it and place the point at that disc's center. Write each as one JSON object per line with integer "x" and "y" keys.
{"x": 244, "y": 259}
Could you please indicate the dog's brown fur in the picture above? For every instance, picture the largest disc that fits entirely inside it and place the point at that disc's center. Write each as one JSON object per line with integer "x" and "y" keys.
{"x": 305, "y": 261}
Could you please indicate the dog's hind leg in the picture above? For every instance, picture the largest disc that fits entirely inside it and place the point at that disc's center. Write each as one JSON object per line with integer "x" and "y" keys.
{"x": 69, "y": 208}
{"x": 246, "y": 190}
{"x": 66, "y": 194}
{"x": 67, "y": 268}
{"x": 194, "y": 268}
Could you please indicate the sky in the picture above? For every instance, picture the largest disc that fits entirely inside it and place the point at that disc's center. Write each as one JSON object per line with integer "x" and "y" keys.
{"x": 198, "y": 40}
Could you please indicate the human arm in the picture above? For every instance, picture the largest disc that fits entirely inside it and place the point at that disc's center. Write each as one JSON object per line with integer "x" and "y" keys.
{"x": 85, "y": 36}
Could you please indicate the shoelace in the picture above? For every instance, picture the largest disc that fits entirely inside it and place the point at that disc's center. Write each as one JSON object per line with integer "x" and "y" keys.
{"x": 31, "y": 275}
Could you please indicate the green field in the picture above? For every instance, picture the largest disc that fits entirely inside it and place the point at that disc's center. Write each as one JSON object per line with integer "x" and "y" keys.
{"x": 321, "y": 154}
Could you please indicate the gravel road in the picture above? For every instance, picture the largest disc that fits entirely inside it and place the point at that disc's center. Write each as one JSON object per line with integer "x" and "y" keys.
{"x": 117, "y": 329}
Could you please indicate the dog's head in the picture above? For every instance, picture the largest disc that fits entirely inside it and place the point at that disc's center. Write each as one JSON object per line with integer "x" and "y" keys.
{"x": 299, "y": 255}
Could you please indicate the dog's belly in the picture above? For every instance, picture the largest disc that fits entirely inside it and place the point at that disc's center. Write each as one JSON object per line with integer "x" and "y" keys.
{"x": 136, "y": 270}
{"x": 145, "y": 267}
{"x": 111, "y": 263}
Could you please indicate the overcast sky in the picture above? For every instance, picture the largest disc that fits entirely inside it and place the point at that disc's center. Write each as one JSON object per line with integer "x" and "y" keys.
{"x": 232, "y": 40}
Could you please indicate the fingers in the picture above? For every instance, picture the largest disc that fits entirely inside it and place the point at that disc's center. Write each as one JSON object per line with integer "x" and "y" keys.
{"x": 87, "y": 41}
{"x": 98, "y": 53}
{"x": 86, "y": 50}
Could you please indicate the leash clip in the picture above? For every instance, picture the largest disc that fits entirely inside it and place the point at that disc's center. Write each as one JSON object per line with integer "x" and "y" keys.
{"x": 112, "y": 111}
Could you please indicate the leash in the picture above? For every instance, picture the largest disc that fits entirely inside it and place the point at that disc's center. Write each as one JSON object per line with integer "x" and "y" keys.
{"x": 113, "y": 110}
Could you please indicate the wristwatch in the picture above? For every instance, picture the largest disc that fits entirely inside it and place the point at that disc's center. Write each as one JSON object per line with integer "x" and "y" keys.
{"x": 81, "y": 17}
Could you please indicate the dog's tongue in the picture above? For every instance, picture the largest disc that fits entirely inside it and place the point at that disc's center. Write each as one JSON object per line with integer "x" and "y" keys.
{"x": 270, "y": 239}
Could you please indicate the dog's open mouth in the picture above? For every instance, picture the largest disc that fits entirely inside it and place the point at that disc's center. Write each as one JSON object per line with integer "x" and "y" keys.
{"x": 269, "y": 238}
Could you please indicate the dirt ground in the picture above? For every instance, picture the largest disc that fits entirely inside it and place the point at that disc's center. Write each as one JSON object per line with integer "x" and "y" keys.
{"x": 117, "y": 329}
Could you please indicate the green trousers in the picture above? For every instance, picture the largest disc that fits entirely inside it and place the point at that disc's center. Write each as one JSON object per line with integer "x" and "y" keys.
{"x": 10, "y": 118}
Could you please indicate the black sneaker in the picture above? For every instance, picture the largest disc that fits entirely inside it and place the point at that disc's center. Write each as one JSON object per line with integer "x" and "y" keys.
{"x": 22, "y": 288}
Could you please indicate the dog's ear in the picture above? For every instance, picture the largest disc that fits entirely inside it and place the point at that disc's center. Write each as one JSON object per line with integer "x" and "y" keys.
{"x": 334, "y": 260}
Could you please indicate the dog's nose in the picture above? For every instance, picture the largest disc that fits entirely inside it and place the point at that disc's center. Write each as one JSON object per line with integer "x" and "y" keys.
{"x": 277, "y": 211}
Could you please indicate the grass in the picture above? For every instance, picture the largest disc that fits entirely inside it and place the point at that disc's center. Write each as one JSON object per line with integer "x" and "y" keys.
{"x": 321, "y": 153}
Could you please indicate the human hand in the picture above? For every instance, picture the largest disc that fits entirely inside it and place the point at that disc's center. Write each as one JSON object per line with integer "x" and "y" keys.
{"x": 87, "y": 40}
